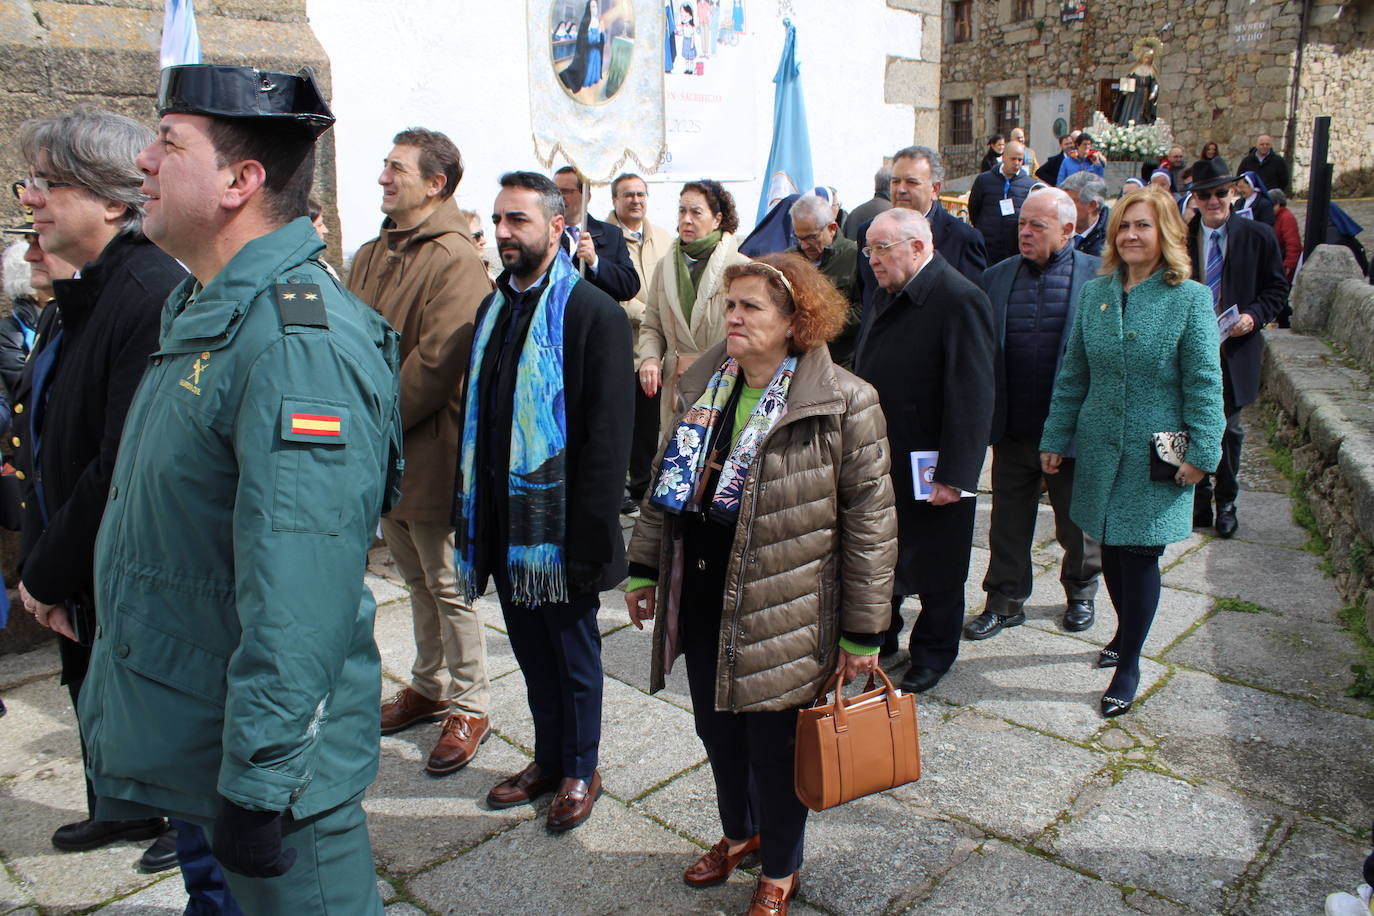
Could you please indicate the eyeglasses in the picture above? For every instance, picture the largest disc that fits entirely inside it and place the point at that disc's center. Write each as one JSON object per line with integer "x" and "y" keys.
{"x": 868, "y": 250}
{"x": 42, "y": 185}
{"x": 810, "y": 238}
{"x": 1208, "y": 195}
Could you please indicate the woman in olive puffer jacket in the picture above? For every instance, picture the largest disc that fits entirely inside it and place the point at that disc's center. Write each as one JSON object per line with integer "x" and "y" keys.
{"x": 767, "y": 541}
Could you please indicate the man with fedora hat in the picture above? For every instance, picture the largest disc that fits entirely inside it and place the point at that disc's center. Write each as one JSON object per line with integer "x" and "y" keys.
{"x": 234, "y": 680}
{"x": 1239, "y": 259}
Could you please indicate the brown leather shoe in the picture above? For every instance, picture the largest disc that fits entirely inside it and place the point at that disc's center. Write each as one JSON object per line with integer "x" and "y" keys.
{"x": 458, "y": 743}
{"x": 716, "y": 864}
{"x": 408, "y": 707}
{"x": 522, "y": 788}
{"x": 573, "y": 803}
{"x": 770, "y": 899}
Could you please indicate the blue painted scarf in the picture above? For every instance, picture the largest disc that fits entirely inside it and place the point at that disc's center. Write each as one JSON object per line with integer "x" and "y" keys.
{"x": 683, "y": 473}
{"x": 538, "y": 452}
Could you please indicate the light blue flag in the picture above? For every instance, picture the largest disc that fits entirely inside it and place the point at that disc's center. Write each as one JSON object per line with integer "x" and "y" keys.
{"x": 789, "y": 159}
{"x": 180, "y": 39}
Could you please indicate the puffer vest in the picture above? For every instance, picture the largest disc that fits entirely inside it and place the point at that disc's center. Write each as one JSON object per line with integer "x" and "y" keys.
{"x": 1037, "y": 307}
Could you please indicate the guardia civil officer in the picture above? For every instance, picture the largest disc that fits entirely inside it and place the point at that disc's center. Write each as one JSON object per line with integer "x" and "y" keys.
{"x": 234, "y": 679}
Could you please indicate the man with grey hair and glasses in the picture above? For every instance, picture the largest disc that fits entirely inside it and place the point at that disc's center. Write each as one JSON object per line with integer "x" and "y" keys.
{"x": 1033, "y": 295}
{"x": 1089, "y": 195}
{"x": 816, "y": 237}
{"x": 83, "y": 189}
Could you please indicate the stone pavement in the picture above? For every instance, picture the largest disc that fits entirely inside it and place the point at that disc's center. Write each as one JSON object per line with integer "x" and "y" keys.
{"x": 1242, "y": 784}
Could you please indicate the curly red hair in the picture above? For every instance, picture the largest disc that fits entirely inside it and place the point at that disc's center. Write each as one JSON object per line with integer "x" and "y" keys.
{"x": 818, "y": 310}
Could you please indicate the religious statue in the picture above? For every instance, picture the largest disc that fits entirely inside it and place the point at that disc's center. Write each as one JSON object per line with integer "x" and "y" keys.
{"x": 1138, "y": 92}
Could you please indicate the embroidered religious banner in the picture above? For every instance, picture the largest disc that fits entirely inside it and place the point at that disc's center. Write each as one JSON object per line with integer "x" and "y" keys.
{"x": 596, "y": 84}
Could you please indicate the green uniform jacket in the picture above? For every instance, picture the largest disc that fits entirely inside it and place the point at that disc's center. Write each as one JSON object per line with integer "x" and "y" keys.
{"x": 234, "y": 654}
{"x": 1155, "y": 369}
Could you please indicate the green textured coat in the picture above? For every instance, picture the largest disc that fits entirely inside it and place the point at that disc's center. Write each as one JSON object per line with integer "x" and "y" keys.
{"x": 1122, "y": 380}
{"x": 234, "y": 655}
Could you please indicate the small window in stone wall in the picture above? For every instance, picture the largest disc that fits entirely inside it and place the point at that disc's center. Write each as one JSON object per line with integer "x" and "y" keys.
{"x": 962, "y": 17}
{"x": 1022, "y": 9}
{"x": 1006, "y": 114}
{"x": 961, "y": 122}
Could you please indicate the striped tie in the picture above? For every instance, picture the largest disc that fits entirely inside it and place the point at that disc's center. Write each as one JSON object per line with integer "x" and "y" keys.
{"x": 1214, "y": 269}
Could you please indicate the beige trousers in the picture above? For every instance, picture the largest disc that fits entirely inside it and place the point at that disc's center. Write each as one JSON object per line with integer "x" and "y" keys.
{"x": 448, "y": 631}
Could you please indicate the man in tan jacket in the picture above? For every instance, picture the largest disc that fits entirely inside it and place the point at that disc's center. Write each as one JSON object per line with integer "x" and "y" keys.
{"x": 423, "y": 274}
{"x": 648, "y": 244}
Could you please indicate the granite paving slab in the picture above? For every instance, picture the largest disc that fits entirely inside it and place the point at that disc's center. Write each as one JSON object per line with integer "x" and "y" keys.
{"x": 1296, "y": 587}
{"x": 626, "y": 655}
{"x": 1046, "y": 681}
{"x": 1267, "y": 518}
{"x": 616, "y": 863}
{"x": 1149, "y": 831}
{"x": 1311, "y": 861}
{"x": 164, "y": 897}
{"x": 1178, "y": 610}
{"x": 1302, "y": 658}
{"x": 21, "y": 667}
{"x": 395, "y": 635}
{"x": 386, "y": 589}
{"x": 12, "y": 895}
{"x": 1008, "y": 780}
{"x": 416, "y": 819}
{"x": 634, "y": 755}
{"x": 39, "y": 729}
{"x": 999, "y": 878}
{"x": 1313, "y": 759}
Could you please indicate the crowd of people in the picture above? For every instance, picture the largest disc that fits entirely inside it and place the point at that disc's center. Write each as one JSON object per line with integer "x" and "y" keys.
{"x": 208, "y": 425}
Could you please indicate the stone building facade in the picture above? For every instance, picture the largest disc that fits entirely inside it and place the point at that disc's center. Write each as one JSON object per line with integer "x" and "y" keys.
{"x": 1230, "y": 70}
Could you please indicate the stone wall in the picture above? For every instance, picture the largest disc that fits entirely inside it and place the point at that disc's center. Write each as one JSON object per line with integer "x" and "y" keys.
{"x": 1226, "y": 73}
{"x": 56, "y": 55}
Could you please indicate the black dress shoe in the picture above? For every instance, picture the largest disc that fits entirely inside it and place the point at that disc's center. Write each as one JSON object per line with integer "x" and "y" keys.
{"x": 1108, "y": 658}
{"x": 1226, "y": 520}
{"x": 990, "y": 623}
{"x": 629, "y": 506}
{"x": 90, "y": 834}
{"x": 919, "y": 679}
{"x": 1079, "y": 615}
{"x": 160, "y": 856}
{"x": 1112, "y": 707}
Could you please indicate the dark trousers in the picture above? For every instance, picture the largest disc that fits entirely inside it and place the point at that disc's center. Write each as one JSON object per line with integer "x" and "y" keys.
{"x": 1227, "y": 485}
{"x": 201, "y": 874}
{"x": 558, "y": 647}
{"x": 935, "y": 635}
{"x": 644, "y": 444}
{"x": 1016, "y": 480}
{"x": 752, "y": 754}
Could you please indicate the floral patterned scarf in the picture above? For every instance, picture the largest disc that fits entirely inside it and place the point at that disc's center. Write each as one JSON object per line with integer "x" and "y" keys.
{"x": 684, "y": 474}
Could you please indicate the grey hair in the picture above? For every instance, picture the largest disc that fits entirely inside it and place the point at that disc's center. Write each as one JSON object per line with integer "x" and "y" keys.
{"x": 95, "y": 149}
{"x": 909, "y": 223}
{"x": 17, "y": 272}
{"x": 937, "y": 165}
{"x": 1278, "y": 197}
{"x": 815, "y": 207}
{"x": 1090, "y": 188}
{"x": 882, "y": 181}
{"x": 1063, "y": 203}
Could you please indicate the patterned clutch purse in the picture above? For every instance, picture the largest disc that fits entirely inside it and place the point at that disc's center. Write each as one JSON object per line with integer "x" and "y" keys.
{"x": 1167, "y": 452}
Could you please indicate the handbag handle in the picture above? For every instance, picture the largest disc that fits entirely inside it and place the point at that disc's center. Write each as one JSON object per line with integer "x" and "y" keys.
{"x": 841, "y": 716}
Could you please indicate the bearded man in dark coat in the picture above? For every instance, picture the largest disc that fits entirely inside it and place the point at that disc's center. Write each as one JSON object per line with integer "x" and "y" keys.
{"x": 927, "y": 346}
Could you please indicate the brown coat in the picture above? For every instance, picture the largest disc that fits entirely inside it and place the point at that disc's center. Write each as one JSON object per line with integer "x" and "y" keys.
{"x": 427, "y": 281}
{"x": 814, "y": 547}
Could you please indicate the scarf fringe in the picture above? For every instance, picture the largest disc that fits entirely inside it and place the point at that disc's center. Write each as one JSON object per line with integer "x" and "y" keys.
{"x": 536, "y": 575}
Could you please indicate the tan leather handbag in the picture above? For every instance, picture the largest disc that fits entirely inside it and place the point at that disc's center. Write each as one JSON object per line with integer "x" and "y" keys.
{"x": 851, "y": 748}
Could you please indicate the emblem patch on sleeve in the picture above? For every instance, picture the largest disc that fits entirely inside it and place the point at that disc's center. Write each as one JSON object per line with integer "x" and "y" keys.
{"x": 315, "y": 421}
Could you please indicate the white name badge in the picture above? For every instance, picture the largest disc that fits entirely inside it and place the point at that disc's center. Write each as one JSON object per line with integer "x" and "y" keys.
{"x": 1008, "y": 206}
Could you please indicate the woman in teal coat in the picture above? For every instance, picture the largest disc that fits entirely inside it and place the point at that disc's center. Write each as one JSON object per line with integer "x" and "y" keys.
{"x": 1143, "y": 358}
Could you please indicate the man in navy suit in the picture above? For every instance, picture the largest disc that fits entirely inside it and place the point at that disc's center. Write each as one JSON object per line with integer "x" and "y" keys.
{"x": 1033, "y": 295}
{"x": 1240, "y": 260}
{"x": 917, "y": 174}
{"x": 598, "y": 249}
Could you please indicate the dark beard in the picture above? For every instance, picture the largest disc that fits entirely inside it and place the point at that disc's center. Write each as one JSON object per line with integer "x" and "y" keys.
{"x": 526, "y": 258}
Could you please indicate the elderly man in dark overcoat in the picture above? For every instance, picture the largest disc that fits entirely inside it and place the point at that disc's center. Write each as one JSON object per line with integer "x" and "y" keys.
{"x": 927, "y": 345}
{"x": 1240, "y": 260}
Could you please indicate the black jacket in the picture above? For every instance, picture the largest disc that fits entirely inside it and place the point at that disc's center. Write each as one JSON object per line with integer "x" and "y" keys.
{"x": 1049, "y": 171}
{"x": 110, "y": 318}
{"x": 959, "y": 243}
{"x": 615, "y": 272}
{"x": 985, "y": 212}
{"x": 14, "y": 349}
{"x": 1262, "y": 209}
{"x": 598, "y": 390}
{"x": 1095, "y": 239}
{"x": 1251, "y": 277}
{"x": 929, "y": 350}
{"x": 1273, "y": 170}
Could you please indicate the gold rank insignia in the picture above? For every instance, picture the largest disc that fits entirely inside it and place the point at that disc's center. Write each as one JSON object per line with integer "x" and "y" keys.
{"x": 192, "y": 381}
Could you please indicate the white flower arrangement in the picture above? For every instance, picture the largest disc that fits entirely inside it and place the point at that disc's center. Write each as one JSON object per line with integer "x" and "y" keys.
{"x": 1131, "y": 141}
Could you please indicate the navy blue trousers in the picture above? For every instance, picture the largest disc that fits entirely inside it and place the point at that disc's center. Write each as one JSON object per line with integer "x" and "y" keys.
{"x": 204, "y": 880}
{"x": 558, "y": 647}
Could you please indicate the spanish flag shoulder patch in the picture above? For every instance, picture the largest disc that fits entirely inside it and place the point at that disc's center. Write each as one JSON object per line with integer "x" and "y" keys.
{"x": 312, "y": 420}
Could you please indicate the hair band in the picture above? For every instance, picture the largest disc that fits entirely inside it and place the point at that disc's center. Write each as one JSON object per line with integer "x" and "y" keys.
{"x": 781, "y": 276}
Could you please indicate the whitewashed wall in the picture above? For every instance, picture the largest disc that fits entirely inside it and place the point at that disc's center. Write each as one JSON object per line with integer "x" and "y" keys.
{"x": 459, "y": 66}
